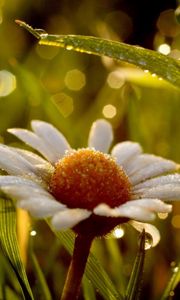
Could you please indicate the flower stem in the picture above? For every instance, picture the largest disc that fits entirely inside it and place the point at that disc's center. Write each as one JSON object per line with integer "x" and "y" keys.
{"x": 77, "y": 266}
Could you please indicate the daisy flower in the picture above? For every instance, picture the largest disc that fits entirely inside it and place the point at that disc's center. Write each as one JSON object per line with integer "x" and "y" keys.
{"x": 87, "y": 189}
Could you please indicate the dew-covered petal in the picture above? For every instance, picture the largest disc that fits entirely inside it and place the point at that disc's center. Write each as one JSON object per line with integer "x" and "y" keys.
{"x": 129, "y": 211}
{"x": 52, "y": 137}
{"x": 140, "y": 161}
{"x": 35, "y": 142}
{"x": 36, "y": 200}
{"x": 154, "y": 205}
{"x": 69, "y": 218}
{"x": 164, "y": 192}
{"x": 6, "y": 180}
{"x": 153, "y": 169}
{"x": 150, "y": 229}
{"x": 14, "y": 163}
{"x": 100, "y": 136}
{"x": 43, "y": 168}
{"x": 125, "y": 151}
{"x": 158, "y": 181}
{"x": 30, "y": 156}
{"x": 40, "y": 207}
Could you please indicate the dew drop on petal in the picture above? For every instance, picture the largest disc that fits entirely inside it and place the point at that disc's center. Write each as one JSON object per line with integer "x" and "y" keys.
{"x": 148, "y": 241}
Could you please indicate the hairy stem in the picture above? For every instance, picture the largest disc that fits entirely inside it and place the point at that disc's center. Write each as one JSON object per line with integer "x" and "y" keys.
{"x": 77, "y": 266}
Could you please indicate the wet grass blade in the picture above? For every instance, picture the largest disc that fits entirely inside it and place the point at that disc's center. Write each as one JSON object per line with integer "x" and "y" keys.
{"x": 40, "y": 277}
{"x": 135, "y": 282}
{"x": 9, "y": 245}
{"x": 157, "y": 63}
{"x": 173, "y": 282}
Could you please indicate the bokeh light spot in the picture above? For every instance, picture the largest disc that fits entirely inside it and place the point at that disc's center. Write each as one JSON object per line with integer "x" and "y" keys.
{"x": 46, "y": 52}
{"x": 118, "y": 232}
{"x": 115, "y": 80}
{"x": 33, "y": 233}
{"x": 176, "y": 221}
{"x": 109, "y": 111}
{"x": 75, "y": 80}
{"x": 64, "y": 103}
{"x": 7, "y": 83}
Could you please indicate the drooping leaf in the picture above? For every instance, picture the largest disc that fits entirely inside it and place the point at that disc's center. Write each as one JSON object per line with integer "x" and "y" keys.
{"x": 9, "y": 245}
{"x": 135, "y": 281}
{"x": 157, "y": 63}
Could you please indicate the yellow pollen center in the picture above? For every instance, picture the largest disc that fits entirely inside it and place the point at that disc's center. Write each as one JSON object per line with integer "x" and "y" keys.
{"x": 86, "y": 178}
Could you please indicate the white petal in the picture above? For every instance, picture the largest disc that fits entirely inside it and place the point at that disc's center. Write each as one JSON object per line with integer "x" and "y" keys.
{"x": 30, "y": 156}
{"x": 36, "y": 200}
{"x": 52, "y": 137}
{"x": 153, "y": 169}
{"x": 154, "y": 205}
{"x": 161, "y": 180}
{"x": 101, "y": 135}
{"x": 165, "y": 192}
{"x": 43, "y": 168}
{"x": 69, "y": 218}
{"x": 132, "y": 212}
{"x": 14, "y": 163}
{"x": 35, "y": 142}
{"x": 40, "y": 207}
{"x": 125, "y": 151}
{"x": 6, "y": 180}
{"x": 150, "y": 229}
{"x": 141, "y": 161}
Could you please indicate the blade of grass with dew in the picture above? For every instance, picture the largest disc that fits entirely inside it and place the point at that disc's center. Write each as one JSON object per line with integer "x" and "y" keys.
{"x": 40, "y": 277}
{"x": 173, "y": 282}
{"x": 88, "y": 290}
{"x": 116, "y": 260}
{"x": 9, "y": 245}
{"x": 135, "y": 281}
{"x": 94, "y": 270}
{"x": 157, "y": 63}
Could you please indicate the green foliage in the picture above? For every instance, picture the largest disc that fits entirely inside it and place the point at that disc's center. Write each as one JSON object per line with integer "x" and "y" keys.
{"x": 9, "y": 245}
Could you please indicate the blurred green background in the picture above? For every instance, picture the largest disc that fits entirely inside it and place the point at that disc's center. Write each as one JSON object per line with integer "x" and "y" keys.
{"x": 72, "y": 89}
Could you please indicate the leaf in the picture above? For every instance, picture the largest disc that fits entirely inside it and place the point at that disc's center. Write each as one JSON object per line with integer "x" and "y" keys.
{"x": 42, "y": 285}
{"x": 157, "y": 63}
{"x": 94, "y": 270}
{"x": 9, "y": 245}
{"x": 135, "y": 282}
{"x": 88, "y": 290}
{"x": 173, "y": 282}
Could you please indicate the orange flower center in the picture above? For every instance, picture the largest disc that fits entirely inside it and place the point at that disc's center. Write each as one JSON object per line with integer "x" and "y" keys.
{"x": 86, "y": 178}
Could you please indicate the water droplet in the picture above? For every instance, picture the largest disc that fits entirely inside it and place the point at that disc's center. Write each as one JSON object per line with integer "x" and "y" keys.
{"x": 41, "y": 31}
{"x": 148, "y": 241}
{"x": 69, "y": 47}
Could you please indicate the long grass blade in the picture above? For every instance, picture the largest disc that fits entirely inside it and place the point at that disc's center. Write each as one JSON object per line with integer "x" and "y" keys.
{"x": 157, "y": 63}
{"x": 9, "y": 245}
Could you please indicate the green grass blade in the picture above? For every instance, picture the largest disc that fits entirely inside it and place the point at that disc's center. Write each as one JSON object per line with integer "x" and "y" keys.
{"x": 88, "y": 290}
{"x": 94, "y": 270}
{"x": 135, "y": 282}
{"x": 9, "y": 245}
{"x": 40, "y": 277}
{"x": 160, "y": 64}
{"x": 173, "y": 282}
